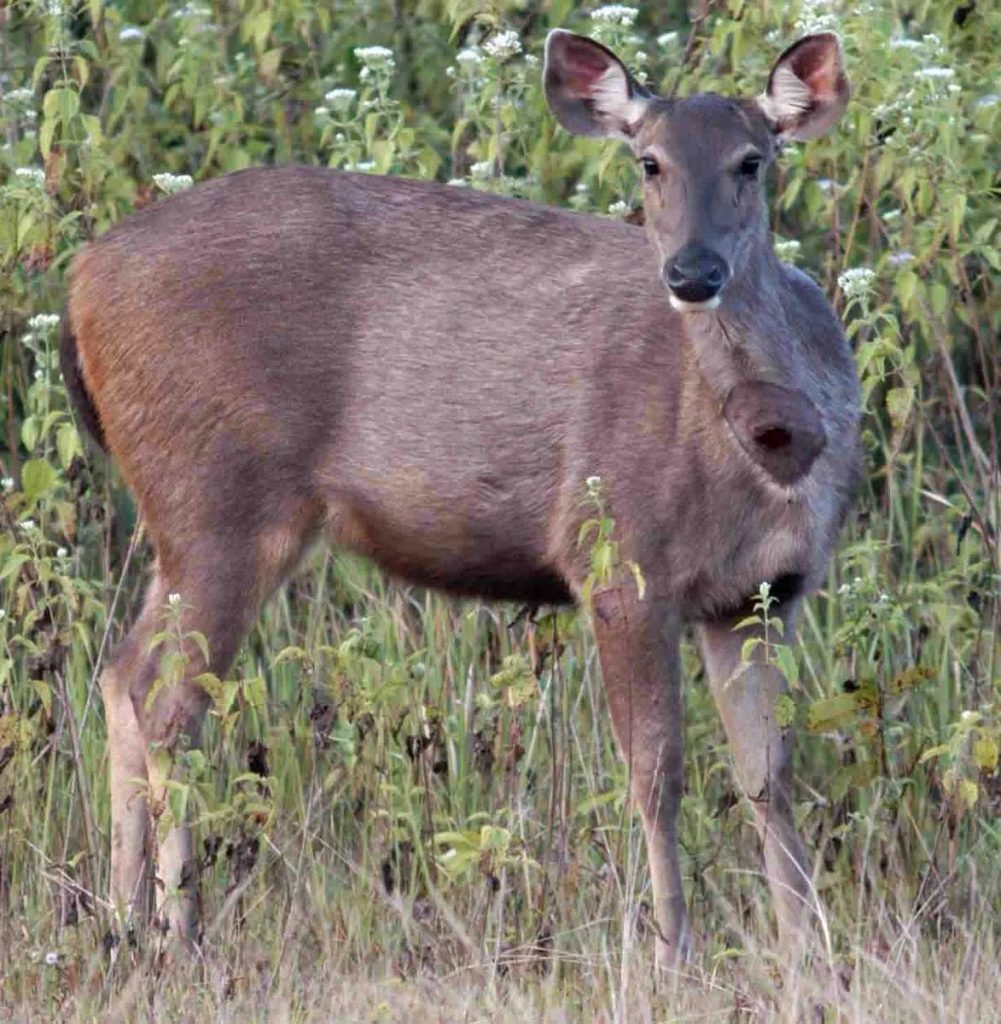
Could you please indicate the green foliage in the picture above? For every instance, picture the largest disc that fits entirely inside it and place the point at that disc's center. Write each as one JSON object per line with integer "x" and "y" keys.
{"x": 373, "y": 739}
{"x": 597, "y": 534}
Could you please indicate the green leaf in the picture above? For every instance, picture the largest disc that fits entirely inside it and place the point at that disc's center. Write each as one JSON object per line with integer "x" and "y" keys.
{"x": 899, "y": 402}
{"x": 30, "y": 429}
{"x": 46, "y": 135}
{"x": 830, "y": 713}
{"x": 985, "y": 753}
{"x": 44, "y": 693}
{"x": 269, "y": 63}
{"x": 178, "y": 794}
{"x": 38, "y": 478}
{"x": 752, "y": 621}
{"x": 787, "y": 664}
{"x": 382, "y": 153}
{"x": 748, "y": 647}
{"x": 785, "y": 710}
{"x": 939, "y": 751}
{"x": 906, "y": 284}
{"x": 969, "y": 791}
{"x": 67, "y": 444}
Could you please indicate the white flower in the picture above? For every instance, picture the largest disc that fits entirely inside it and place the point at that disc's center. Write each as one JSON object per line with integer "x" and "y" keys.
{"x": 898, "y": 259}
{"x": 469, "y": 57}
{"x": 905, "y": 44}
{"x": 19, "y": 97}
{"x": 856, "y": 281}
{"x": 7, "y": 484}
{"x": 173, "y": 600}
{"x": 581, "y": 188}
{"x": 844, "y": 589}
{"x": 3, "y": 614}
{"x": 593, "y": 485}
{"x": 619, "y": 208}
{"x": 990, "y": 100}
{"x": 61, "y": 552}
{"x": 787, "y": 249}
{"x": 171, "y": 183}
{"x": 130, "y": 33}
{"x": 192, "y": 11}
{"x": 531, "y": 61}
{"x": 482, "y": 170}
{"x": 376, "y": 57}
{"x": 615, "y": 14}
{"x": 321, "y": 112}
{"x": 667, "y": 39}
{"x": 503, "y": 45}
{"x": 30, "y": 175}
{"x": 815, "y": 16}
{"x": 341, "y": 98}
{"x": 893, "y": 214}
{"x": 52, "y": 959}
{"x": 827, "y": 186}
{"x": 27, "y": 525}
{"x": 44, "y": 322}
{"x": 39, "y": 374}
{"x": 364, "y": 166}
{"x": 935, "y": 72}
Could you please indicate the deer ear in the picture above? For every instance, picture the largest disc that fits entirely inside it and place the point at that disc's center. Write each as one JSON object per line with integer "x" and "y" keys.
{"x": 807, "y": 89}
{"x": 588, "y": 88}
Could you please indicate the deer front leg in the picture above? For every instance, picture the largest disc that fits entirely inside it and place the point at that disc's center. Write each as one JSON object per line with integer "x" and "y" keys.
{"x": 746, "y": 694}
{"x": 641, "y": 668}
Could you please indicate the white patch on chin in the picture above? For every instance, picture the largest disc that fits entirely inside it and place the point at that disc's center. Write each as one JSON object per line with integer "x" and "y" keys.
{"x": 693, "y": 307}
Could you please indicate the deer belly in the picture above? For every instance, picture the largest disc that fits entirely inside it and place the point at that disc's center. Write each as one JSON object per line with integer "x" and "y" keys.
{"x": 480, "y": 541}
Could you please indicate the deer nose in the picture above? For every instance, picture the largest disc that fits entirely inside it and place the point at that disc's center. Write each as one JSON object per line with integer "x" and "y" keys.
{"x": 696, "y": 274}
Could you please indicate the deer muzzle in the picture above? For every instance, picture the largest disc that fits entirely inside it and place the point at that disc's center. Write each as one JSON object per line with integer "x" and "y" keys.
{"x": 695, "y": 277}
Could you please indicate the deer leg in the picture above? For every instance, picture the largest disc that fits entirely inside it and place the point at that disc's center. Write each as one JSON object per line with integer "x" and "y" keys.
{"x": 640, "y": 665}
{"x": 130, "y": 851}
{"x": 215, "y": 597}
{"x": 154, "y": 699}
{"x": 746, "y": 694}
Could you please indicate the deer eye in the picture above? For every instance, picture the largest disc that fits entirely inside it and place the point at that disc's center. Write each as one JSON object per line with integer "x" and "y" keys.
{"x": 750, "y": 166}
{"x": 650, "y": 167}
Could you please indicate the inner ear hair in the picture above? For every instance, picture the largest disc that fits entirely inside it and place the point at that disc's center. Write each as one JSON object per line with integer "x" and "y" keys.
{"x": 787, "y": 96}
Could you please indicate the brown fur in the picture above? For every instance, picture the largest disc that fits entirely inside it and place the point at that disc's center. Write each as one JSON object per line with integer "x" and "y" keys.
{"x": 428, "y": 375}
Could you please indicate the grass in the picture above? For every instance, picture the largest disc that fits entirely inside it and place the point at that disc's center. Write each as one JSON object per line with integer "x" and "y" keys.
{"x": 396, "y": 728}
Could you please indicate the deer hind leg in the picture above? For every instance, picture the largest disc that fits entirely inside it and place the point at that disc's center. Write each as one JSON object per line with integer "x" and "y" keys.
{"x": 638, "y": 646}
{"x": 130, "y": 852}
{"x": 220, "y": 582}
{"x": 746, "y": 695}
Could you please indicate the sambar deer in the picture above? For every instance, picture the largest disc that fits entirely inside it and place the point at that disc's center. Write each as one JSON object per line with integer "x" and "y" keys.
{"x": 292, "y": 353}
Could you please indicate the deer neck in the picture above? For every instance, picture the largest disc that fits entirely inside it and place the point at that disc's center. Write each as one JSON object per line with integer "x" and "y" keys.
{"x": 748, "y": 338}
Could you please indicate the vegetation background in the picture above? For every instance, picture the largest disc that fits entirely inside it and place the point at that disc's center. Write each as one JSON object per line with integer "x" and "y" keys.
{"x": 407, "y": 805}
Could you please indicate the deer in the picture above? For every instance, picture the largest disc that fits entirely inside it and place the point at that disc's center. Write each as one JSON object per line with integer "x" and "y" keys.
{"x": 287, "y": 355}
